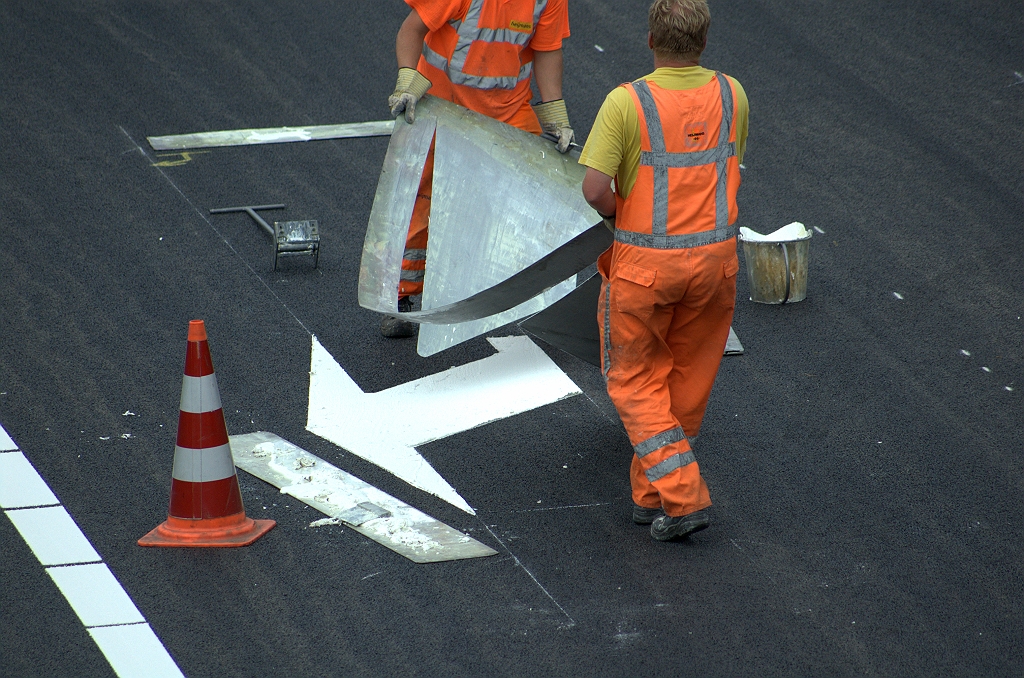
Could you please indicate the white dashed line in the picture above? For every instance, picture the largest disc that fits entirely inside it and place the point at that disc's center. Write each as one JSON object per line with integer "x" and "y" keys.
{"x": 101, "y": 603}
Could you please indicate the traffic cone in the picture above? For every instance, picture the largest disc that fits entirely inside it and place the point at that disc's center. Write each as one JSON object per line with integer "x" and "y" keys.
{"x": 206, "y": 502}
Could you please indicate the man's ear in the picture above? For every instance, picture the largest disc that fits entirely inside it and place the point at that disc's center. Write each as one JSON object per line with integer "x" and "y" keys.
{"x": 650, "y": 40}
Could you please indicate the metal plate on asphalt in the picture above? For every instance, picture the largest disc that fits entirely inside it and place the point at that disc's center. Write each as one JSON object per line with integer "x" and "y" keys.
{"x": 359, "y": 505}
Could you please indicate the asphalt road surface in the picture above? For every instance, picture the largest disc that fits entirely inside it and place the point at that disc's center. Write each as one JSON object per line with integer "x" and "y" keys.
{"x": 864, "y": 455}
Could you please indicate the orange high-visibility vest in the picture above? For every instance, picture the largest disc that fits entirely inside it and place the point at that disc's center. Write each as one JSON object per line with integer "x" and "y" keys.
{"x": 686, "y": 184}
{"x": 487, "y": 50}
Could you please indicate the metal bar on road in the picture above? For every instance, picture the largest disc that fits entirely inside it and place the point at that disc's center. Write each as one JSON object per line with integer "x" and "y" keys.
{"x": 270, "y": 135}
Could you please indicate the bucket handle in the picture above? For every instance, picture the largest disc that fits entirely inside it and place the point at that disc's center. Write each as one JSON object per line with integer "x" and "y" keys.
{"x": 785, "y": 255}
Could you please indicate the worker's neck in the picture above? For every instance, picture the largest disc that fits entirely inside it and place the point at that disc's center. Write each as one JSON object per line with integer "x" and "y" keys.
{"x": 675, "y": 63}
{"x": 667, "y": 61}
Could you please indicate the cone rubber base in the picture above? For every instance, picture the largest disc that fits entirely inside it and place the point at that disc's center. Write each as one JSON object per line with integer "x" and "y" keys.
{"x": 236, "y": 530}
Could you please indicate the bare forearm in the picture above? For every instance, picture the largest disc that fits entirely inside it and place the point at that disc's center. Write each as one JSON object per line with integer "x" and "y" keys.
{"x": 547, "y": 69}
{"x": 409, "y": 43}
{"x": 597, "y": 190}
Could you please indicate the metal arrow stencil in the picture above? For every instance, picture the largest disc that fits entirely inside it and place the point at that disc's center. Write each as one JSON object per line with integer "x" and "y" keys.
{"x": 502, "y": 200}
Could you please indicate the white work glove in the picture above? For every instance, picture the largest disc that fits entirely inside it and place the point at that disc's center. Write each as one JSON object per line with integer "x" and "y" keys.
{"x": 554, "y": 120}
{"x": 409, "y": 89}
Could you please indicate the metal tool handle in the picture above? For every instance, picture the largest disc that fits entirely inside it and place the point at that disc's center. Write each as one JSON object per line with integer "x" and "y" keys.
{"x": 251, "y": 211}
{"x": 573, "y": 146}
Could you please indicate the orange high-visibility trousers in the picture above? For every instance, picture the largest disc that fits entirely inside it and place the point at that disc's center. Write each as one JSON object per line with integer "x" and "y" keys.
{"x": 664, "y": 317}
{"x": 414, "y": 261}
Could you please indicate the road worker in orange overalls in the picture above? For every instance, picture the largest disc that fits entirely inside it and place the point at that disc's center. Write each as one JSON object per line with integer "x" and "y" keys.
{"x": 479, "y": 54}
{"x": 672, "y": 141}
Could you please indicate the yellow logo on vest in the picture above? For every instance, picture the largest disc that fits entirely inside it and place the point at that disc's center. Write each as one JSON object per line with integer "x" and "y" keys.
{"x": 695, "y": 133}
{"x": 521, "y": 26}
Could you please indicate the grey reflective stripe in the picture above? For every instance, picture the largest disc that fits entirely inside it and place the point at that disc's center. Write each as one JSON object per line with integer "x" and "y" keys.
{"x": 661, "y": 470}
{"x": 503, "y": 35}
{"x": 434, "y": 59}
{"x": 411, "y": 276}
{"x": 674, "y": 242}
{"x": 654, "y": 131}
{"x": 200, "y": 394}
{"x": 660, "y": 160}
{"x": 476, "y": 81}
{"x": 692, "y": 159}
{"x": 415, "y": 255}
{"x": 659, "y": 441}
{"x": 201, "y": 466}
{"x": 607, "y": 327}
{"x": 659, "y": 213}
{"x": 469, "y": 32}
{"x": 726, "y": 128}
{"x": 722, "y": 192}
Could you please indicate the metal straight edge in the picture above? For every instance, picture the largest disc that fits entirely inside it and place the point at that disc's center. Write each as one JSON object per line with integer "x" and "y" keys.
{"x": 340, "y": 495}
{"x": 270, "y": 135}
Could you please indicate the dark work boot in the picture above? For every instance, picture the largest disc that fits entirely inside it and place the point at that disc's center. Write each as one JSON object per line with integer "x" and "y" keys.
{"x": 646, "y": 516}
{"x": 667, "y": 528}
{"x": 396, "y": 328}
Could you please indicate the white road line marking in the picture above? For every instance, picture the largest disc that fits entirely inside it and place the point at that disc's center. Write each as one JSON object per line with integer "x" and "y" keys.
{"x": 134, "y": 651}
{"x": 53, "y": 536}
{"x": 20, "y": 485}
{"x": 93, "y": 592}
{"x": 95, "y": 595}
{"x": 384, "y": 428}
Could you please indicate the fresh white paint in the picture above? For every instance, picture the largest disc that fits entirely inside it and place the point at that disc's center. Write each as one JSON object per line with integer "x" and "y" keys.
{"x": 95, "y": 595}
{"x": 385, "y": 427}
{"x": 788, "y": 233}
{"x": 134, "y": 651}
{"x": 53, "y": 536}
{"x": 20, "y": 485}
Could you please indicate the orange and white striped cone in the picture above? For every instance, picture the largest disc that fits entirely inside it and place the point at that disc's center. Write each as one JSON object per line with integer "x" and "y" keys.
{"x": 206, "y": 502}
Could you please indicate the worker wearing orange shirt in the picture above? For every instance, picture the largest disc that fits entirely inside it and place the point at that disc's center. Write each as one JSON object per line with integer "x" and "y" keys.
{"x": 480, "y": 54}
{"x": 672, "y": 141}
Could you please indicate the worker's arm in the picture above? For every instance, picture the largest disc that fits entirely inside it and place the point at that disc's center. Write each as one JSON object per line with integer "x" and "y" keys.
{"x": 554, "y": 119}
{"x": 411, "y": 84}
{"x": 409, "y": 43}
{"x": 597, "y": 190}
{"x": 547, "y": 68}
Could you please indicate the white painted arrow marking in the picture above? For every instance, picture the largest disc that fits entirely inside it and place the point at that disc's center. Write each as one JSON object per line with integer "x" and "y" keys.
{"x": 385, "y": 427}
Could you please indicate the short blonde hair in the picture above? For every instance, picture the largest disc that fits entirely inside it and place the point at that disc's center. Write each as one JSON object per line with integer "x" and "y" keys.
{"x": 679, "y": 28}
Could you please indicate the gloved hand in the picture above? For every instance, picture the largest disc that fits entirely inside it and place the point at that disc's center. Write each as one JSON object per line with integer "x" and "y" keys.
{"x": 554, "y": 120}
{"x": 609, "y": 222}
{"x": 411, "y": 86}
